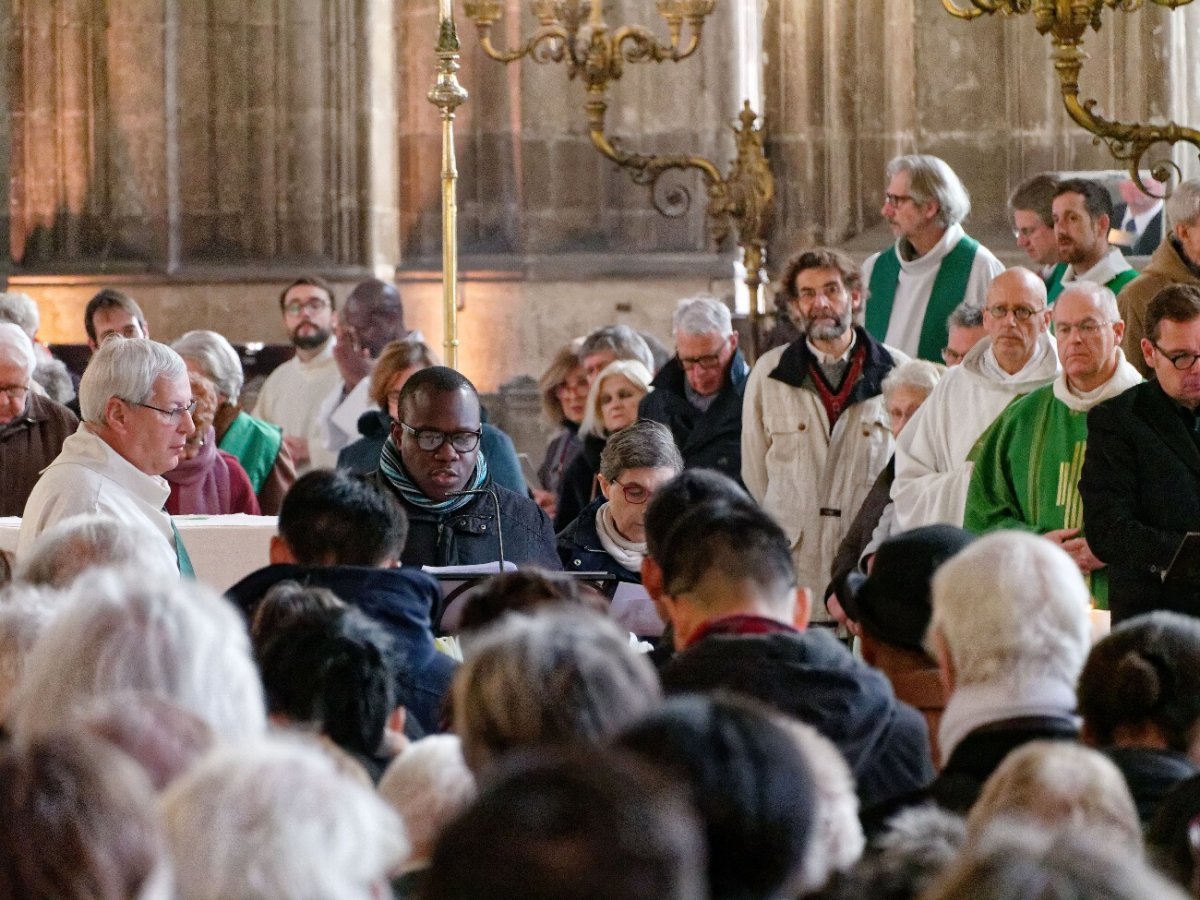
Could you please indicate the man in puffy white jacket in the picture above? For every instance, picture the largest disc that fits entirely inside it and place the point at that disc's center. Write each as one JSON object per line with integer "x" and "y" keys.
{"x": 815, "y": 431}
{"x": 933, "y": 467}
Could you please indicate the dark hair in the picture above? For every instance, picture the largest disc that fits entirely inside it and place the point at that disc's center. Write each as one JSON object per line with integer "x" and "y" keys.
{"x": 79, "y": 821}
{"x": 110, "y": 298}
{"x": 686, "y": 490}
{"x": 1168, "y": 844}
{"x": 315, "y": 281}
{"x": 525, "y": 590}
{"x": 1096, "y": 198}
{"x": 335, "y": 518}
{"x": 287, "y": 602}
{"x": 1146, "y": 670}
{"x": 739, "y": 541}
{"x": 1176, "y": 303}
{"x": 583, "y": 824}
{"x": 434, "y": 380}
{"x": 820, "y": 258}
{"x": 749, "y": 781}
{"x": 337, "y": 671}
{"x": 1035, "y": 195}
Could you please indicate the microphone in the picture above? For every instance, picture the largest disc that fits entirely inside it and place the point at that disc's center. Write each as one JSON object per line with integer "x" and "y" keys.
{"x": 487, "y": 492}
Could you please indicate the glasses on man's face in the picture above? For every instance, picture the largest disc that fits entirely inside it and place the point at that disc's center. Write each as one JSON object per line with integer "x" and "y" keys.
{"x": 707, "y": 361}
{"x": 313, "y": 306}
{"x": 1021, "y": 313}
{"x": 430, "y": 439}
{"x": 1086, "y": 329}
{"x": 17, "y": 392}
{"x": 1029, "y": 231}
{"x": 897, "y": 199}
{"x": 1181, "y": 361}
{"x": 833, "y": 292}
{"x": 634, "y": 493}
{"x": 174, "y": 415}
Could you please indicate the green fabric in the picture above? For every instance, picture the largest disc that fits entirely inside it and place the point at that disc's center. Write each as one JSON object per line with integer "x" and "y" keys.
{"x": 1026, "y": 473}
{"x": 1121, "y": 280}
{"x": 256, "y": 445}
{"x": 949, "y": 288}
{"x": 181, "y": 554}
{"x": 1054, "y": 286}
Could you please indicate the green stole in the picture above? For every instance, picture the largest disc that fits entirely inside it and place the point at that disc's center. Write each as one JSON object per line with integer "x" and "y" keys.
{"x": 256, "y": 445}
{"x": 949, "y": 288}
{"x": 186, "y": 570}
{"x": 1054, "y": 286}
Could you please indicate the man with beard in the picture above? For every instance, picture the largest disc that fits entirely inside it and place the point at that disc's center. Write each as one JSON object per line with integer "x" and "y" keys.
{"x": 1082, "y": 214}
{"x": 292, "y": 394}
{"x": 815, "y": 430}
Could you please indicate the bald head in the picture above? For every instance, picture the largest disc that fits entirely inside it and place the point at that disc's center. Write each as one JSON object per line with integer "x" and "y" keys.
{"x": 1016, "y": 317}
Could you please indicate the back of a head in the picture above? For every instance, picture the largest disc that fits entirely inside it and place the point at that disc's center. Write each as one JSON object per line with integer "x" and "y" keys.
{"x": 1014, "y": 605}
{"x": 620, "y": 340}
{"x": 178, "y": 640}
{"x": 25, "y": 612}
{"x": 336, "y": 518}
{"x": 1019, "y": 862}
{"x": 275, "y": 818}
{"x": 579, "y": 825}
{"x": 717, "y": 546}
{"x": 553, "y": 678}
{"x": 21, "y": 310}
{"x": 681, "y": 493}
{"x": 79, "y": 823}
{"x": 524, "y": 590}
{"x": 286, "y": 602}
{"x": 748, "y": 779}
{"x": 1144, "y": 672}
{"x": 1062, "y": 787}
{"x": 126, "y": 368}
{"x": 79, "y": 544}
{"x": 336, "y": 673}
{"x": 428, "y": 784}
{"x": 1183, "y": 206}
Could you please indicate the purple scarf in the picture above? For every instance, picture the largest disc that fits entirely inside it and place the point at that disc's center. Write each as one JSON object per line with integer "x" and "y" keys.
{"x": 200, "y": 485}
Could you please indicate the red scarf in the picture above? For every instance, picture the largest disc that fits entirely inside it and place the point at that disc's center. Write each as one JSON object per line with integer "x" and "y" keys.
{"x": 836, "y": 403}
{"x": 738, "y": 624}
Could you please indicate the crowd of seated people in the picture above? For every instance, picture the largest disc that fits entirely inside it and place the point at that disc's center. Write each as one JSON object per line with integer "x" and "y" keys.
{"x": 955, "y": 720}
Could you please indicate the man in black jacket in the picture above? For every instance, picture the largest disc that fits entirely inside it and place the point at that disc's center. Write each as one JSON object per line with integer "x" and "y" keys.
{"x": 724, "y": 578}
{"x": 698, "y": 393}
{"x": 1141, "y": 474}
{"x": 432, "y": 464}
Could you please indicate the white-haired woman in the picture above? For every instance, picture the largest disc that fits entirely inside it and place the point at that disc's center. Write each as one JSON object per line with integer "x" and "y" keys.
{"x": 612, "y": 404}
{"x": 258, "y": 445}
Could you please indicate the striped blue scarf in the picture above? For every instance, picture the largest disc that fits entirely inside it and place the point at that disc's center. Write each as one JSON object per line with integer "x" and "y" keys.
{"x": 392, "y": 466}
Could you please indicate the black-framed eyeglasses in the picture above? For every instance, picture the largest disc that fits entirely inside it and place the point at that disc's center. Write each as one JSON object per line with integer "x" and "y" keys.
{"x": 897, "y": 199}
{"x": 173, "y": 414}
{"x": 429, "y": 439}
{"x": 316, "y": 305}
{"x": 634, "y": 493}
{"x": 1181, "y": 361}
{"x": 1022, "y": 313}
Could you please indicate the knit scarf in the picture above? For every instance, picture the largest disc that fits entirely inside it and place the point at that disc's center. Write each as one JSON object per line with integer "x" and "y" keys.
{"x": 628, "y": 554}
{"x": 392, "y": 467}
{"x": 200, "y": 485}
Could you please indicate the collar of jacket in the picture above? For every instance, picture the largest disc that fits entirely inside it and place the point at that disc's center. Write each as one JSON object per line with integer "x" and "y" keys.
{"x": 796, "y": 360}
{"x": 474, "y": 518}
{"x": 671, "y": 377}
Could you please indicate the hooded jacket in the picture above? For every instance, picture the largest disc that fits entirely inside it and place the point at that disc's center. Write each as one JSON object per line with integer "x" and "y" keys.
{"x": 400, "y": 600}
{"x": 810, "y": 675}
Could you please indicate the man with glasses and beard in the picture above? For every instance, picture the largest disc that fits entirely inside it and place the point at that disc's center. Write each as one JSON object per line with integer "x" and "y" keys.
{"x": 432, "y": 464}
{"x": 292, "y": 394}
{"x": 815, "y": 429}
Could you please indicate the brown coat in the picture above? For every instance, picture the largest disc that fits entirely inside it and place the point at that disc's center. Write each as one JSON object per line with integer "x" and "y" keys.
{"x": 1166, "y": 267}
{"x": 28, "y": 444}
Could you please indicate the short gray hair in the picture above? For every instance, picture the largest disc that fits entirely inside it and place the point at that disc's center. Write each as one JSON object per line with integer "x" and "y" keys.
{"x": 1012, "y": 604}
{"x": 931, "y": 178}
{"x": 178, "y": 640}
{"x": 20, "y": 309}
{"x": 1106, "y": 298}
{"x": 702, "y": 314}
{"x": 549, "y": 679}
{"x": 125, "y": 368}
{"x": 916, "y": 373}
{"x": 642, "y": 445}
{"x": 1183, "y": 206}
{"x": 216, "y": 358}
{"x": 81, "y": 543}
{"x": 622, "y": 341}
{"x": 15, "y": 345}
{"x": 428, "y": 784}
{"x": 276, "y": 818}
{"x": 965, "y": 315}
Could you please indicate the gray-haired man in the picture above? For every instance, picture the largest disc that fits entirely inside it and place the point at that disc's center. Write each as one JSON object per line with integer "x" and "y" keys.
{"x": 698, "y": 393}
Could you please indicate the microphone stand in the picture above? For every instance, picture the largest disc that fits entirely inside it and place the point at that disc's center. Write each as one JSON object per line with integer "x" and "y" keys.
{"x": 487, "y": 492}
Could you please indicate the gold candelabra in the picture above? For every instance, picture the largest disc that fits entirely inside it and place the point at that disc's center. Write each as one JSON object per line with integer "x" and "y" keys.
{"x": 574, "y": 32}
{"x": 448, "y": 95}
{"x": 1067, "y": 21}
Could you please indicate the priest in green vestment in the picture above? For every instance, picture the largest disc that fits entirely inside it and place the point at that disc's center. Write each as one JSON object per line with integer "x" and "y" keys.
{"x": 1027, "y": 464}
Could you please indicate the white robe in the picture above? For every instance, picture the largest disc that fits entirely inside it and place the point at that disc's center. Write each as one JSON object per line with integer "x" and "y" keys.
{"x": 291, "y": 398}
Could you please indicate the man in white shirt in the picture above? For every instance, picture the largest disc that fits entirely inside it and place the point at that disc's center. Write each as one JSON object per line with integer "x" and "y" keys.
{"x": 1083, "y": 211}
{"x": 934, "y": 265}
{"x": 137, "y": 413}
{"x": 292, "y": 394}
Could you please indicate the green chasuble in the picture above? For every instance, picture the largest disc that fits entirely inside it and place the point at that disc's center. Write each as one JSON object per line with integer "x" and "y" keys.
{"x": 256, "y": 444}
{"x": 1026, "y": 474}
{"x": 1054, "y": 286}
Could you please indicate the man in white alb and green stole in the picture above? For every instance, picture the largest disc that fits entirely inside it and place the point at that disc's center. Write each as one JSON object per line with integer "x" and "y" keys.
{"x": 914, "y": 285}
{"x": 1027, "y": 464}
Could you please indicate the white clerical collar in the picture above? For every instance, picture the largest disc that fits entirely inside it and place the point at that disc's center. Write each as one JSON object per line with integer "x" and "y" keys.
{"x": 826, "y": 359}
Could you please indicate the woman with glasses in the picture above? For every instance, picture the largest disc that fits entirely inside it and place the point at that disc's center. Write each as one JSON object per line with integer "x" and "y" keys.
{"x": 610, "y": 534}
{"x": 612, "y": 404}
{"x": 563, "y": 391}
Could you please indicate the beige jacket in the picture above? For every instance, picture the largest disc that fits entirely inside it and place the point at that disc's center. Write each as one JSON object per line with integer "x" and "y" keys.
{"x": 1165, "y": 267}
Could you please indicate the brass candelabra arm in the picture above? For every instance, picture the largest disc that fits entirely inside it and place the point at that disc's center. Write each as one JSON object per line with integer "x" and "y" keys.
{"x": 546, "y": 45}
{"x": 986, "y": 7}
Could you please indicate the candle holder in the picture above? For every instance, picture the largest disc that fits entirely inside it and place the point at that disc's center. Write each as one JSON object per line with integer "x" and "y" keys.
{"x": 573, "y": 32}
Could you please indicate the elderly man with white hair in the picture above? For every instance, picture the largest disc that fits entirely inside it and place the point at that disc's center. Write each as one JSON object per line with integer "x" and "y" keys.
{"x": 698, "y": 393}
{"x": 1010, "y": 632}
{"x": 32, "y": 426}
{"x": 137, "y": 414}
